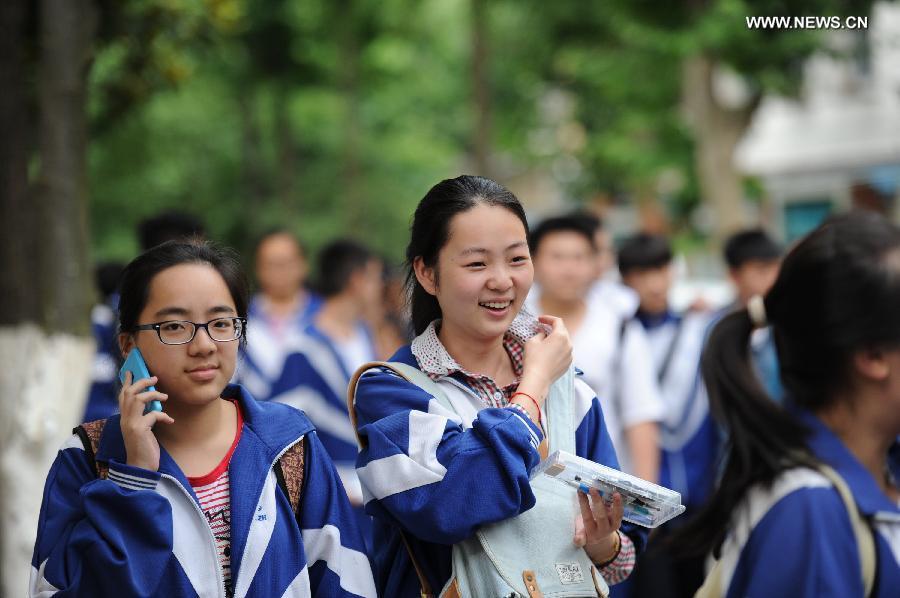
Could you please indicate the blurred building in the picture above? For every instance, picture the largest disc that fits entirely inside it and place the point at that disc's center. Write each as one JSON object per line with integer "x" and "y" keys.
{"x": 839, "y": 144}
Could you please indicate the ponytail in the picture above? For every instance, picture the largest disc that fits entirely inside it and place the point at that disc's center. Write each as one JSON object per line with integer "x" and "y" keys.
{"x": 762, "y": 440}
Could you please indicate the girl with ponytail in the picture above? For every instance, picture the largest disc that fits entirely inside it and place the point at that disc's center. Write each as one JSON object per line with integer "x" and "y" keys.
{"x": 808, "y": 500}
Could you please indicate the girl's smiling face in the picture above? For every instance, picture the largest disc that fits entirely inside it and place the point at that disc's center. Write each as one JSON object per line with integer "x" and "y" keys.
{"x": 195, "y": 372}
{"x": 483, "y": 272}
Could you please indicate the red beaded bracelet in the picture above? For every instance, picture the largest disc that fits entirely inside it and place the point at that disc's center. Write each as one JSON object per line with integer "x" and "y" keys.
{"x": 536, "y": 406}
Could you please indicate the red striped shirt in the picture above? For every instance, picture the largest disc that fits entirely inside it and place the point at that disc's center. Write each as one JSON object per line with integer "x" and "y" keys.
{"x": 213, "y": 492}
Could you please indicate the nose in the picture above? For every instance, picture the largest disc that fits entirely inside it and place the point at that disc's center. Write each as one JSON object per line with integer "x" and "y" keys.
{"x": 500, "y": 278}
{"x": 202, "y": 343}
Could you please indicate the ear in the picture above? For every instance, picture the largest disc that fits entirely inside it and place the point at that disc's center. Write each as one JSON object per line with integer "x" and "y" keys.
{"x": 425, "y": 275}
{"x": 126, "y": 342}
{"x": 872, "y": 364}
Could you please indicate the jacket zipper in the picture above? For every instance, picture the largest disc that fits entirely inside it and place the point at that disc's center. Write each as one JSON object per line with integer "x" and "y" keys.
{"x": 219, "y": 577}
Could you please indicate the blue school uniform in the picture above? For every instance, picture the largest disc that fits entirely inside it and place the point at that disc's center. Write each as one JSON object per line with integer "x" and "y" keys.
{"x": 103, "y": 396}
{"x": 314, "y": 379}
{"x": 143, "y": 533}
{"x": 440, "y": 477}
{"x": 795, "y": 538}
{"x": 261, "y": 362}
{"x": 689, "y": 437}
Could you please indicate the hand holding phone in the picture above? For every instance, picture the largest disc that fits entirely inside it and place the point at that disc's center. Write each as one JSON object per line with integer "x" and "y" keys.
{"x": 135, "y": 364}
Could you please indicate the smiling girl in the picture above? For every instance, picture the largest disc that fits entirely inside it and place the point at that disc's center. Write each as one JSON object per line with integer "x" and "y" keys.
{"x": 452, "y": 426}
{"x": 193, "y": 500}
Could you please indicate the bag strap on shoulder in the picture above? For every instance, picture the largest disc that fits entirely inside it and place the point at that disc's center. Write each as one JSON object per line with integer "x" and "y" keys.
{"x": 290, "y": 471}
{"x": 90, "y": 433}
{"x": 289, "y": 468}
{"x": 865, "y": 540}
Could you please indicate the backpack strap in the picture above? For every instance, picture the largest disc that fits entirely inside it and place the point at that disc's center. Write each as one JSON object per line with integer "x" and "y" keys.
{"x": 289, "y": 468}
{"x": 289, "y": 472}
{"x": 425, "y": 590}
{"x": 865, "y": 541}
{"x": 90, "y": 434}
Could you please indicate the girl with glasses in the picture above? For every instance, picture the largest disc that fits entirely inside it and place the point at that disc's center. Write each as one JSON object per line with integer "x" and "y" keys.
{"x": 451, "y": 428}
{"x": 216, "y": 495}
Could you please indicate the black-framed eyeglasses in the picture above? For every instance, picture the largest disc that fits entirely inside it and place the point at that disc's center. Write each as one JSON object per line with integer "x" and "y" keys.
{"x": 181, "y": 332}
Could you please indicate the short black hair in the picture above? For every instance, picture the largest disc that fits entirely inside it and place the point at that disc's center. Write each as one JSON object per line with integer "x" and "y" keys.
{"x": 643, "y": 251}
{"x": 337, "y": 263}
{"x": 106, "y": 277}
{"x": 751, "y": 245}
{"x": 557, "y": 224}
{"x": 172, "y": 225}
{"x": 590, "y": 220}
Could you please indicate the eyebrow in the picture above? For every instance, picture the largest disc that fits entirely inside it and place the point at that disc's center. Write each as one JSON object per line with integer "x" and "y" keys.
{"x": 472, "y": 250}
{"x": 180, "y": 311}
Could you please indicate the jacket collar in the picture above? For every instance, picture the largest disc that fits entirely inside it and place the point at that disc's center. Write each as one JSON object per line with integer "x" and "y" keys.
{"x": 276, "y": 426}
{"x": 825, "y": 445}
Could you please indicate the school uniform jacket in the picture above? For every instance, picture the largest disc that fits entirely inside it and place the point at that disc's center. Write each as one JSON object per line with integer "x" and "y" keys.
{"x": 261, "y": 361}
{"x": 314, "y": 379}
{"x": 689, "y": 438}
{"x": 795, "y": 538}
{"x": 440, "y": 476}
{"x": 142, "y": 533}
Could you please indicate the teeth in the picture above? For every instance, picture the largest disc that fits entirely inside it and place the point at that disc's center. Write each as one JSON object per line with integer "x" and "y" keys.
{"x": 494, "y": 305}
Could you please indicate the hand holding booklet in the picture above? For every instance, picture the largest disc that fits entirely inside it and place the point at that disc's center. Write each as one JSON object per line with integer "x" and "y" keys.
{"x": 645, "y": 503}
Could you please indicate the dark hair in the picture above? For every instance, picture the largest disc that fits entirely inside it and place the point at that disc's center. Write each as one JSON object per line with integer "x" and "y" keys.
{"x": 557, "y": 224}
{"x": 589, "y": 220}
{"x": 750, "y": 245}
{"x": 134, "y": 285}
{"x": 106, "y": 276}
{"x": 814, "y": 309}
{"x": 278, "y": 232}
{"x": 172, "y": 225}
{"x": 431, "y": 228}
{"x": 337, "y": 263}
{"x": 643, "y": 251}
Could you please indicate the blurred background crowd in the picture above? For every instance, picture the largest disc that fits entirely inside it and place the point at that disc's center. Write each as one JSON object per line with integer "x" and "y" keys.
{"x": 666, "y": 153}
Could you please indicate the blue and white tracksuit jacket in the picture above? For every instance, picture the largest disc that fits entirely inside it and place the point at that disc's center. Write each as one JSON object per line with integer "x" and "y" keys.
{"x": 795, "y": 538}
{"x": 440, "y": 477}
{"x": 314, "y": 379}
{"x": 142, "y": 533}
{"x": 689, "y": 437}
{"x": 261, "y": 361}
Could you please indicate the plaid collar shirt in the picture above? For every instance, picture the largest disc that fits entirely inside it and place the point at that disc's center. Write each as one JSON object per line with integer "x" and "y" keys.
{"x": 437, "y": 363}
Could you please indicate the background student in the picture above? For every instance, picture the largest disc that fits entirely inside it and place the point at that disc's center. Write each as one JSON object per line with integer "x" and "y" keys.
{"x": 609, "y": 345}
{"x": 281, "y": 308}
{"x": 753, "y": 259}
{"x": 689, "y": 439}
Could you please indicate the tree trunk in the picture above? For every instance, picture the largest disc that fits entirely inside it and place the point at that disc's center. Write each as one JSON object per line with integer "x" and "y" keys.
{"x": 18, "y": 291}
{"x": 481, "y": 90}
{"x": 717, "y": 131}
{"x": 66, "y": 34}
{"x": 46, "y": 350}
